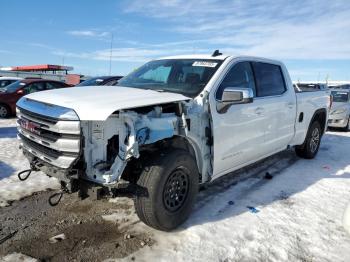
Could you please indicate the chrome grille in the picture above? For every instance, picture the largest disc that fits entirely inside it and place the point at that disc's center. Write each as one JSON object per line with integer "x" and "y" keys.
{"x": 52, "y": 140}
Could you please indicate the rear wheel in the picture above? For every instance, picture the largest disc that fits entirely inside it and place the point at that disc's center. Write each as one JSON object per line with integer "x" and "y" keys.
{"x": 312, "y": 142}
{"x": 4, "y": 111}
{"x": 167, "y": 190}
{"x": 347, "y": 128}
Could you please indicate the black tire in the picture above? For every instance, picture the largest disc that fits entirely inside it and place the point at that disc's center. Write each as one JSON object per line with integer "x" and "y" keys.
{"x": 347, "y": 127}
{"x": 167, "y": 190}
{"x": 312, "y": 142}
{"x": 4, "y": 111}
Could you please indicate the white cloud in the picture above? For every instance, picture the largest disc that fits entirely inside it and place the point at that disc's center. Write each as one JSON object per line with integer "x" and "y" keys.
{"x": 125, "y": 54}
{"x": 89, "y": 33}
{"x": 280, "y": 29}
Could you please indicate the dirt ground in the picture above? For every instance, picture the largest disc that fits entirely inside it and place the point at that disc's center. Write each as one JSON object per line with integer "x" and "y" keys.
{"x": 95, "y": 230}
{"x": 27, "y": 225}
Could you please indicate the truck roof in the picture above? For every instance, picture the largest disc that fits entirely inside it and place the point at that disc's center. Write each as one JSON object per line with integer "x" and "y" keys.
{"x": 221, "y": 57}
{"x": 207, "y": 57}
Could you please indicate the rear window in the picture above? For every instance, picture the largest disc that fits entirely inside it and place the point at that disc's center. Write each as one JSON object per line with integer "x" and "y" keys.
{"x": 269, "y": 79}
{"x": 339, "y": 96}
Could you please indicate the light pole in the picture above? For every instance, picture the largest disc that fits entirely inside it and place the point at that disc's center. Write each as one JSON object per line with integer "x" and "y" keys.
{"x": 110, "y": 56}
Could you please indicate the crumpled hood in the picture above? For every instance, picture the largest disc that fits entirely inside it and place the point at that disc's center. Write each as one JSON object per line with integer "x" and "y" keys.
{"x": 99, "y": 102}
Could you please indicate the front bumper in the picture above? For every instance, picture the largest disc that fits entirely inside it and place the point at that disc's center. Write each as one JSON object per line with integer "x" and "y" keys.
{"x": 62, "y": 174}
{"x": 338, "y": 122}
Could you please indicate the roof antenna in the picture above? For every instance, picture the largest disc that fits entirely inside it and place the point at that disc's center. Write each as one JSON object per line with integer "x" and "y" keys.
{"x": 216, "y": 53}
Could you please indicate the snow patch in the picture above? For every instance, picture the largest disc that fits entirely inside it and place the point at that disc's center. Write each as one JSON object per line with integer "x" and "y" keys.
{"x": 300, "y": 216}
{"x": 15, "y": 257}
{"x": 346, "y": 219}
{"x": 11, "y": 162}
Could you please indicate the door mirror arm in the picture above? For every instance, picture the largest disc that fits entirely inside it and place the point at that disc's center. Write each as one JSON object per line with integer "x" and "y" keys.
{"x": 233, "y": 96}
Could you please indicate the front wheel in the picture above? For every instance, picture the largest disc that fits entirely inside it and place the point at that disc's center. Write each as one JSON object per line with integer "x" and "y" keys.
{"x": 312, "y": 142}
{"x": 167, "y": 190}
{"x": 4, "y": 111}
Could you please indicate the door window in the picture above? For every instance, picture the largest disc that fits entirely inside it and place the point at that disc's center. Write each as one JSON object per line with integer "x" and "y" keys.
{"x": 269, "y": 79}
{"x": 34, "y": 87}
{"x": 239, "y": 76}
{"x": 53, "y": 85}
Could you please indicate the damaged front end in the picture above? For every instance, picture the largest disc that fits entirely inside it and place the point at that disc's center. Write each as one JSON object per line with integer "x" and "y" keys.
{"x": 110, "y": 144}
{"x": 96, "y": 153}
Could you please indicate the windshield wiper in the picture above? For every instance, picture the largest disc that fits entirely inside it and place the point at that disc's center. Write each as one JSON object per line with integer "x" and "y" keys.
{"x": 157, "y": 90}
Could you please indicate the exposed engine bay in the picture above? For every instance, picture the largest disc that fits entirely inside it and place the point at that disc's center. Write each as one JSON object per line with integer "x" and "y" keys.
{"x": 109, "y": 145}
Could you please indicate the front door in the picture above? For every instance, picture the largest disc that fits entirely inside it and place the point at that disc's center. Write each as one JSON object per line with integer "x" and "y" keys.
{"x": 239, "y": 131}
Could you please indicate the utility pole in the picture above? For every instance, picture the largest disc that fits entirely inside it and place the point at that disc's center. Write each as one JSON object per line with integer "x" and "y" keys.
{"x": 110, "y": 56}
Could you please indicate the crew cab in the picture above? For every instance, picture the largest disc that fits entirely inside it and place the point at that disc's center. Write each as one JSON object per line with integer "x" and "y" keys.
{"x": 339, "y": 116}
{"x": 171, "y": 125}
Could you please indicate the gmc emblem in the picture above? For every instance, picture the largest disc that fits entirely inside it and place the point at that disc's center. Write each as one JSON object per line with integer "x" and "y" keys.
{"x": 30, "y": 126}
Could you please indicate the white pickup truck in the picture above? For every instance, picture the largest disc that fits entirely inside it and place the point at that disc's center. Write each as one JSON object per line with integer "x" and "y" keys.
{"x": 170, "y": 125}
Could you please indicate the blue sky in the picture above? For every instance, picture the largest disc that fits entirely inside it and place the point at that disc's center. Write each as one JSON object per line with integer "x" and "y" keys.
{"x": 311, "y": 37}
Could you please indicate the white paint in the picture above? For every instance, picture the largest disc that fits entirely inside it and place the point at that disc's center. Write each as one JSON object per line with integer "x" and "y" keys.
{"x": 99, "y": 102}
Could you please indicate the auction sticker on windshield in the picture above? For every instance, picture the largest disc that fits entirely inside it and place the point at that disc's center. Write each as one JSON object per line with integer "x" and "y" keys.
{"x": 204, "y": 63}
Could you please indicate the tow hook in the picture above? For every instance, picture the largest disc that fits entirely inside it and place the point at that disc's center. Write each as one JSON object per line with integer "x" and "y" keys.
{"x": 23, "y": 175}
{"x": 55, "y": 198}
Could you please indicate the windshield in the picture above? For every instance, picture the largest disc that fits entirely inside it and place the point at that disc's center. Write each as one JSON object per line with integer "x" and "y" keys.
{"x": 95, "y": 81}
{"x": 11, "y": 88}
{"x": 184, "y": 76}
{"x": 339, "y": 96}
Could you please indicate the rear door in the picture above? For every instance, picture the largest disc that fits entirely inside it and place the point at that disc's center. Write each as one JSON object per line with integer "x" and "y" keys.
{"x": 278, "y": 105}
{"x": 238, "y": 132}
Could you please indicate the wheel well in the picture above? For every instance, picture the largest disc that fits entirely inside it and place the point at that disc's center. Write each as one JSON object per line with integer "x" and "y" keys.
{"x": 320, "y": 116}
{"x": 135, "y": 166}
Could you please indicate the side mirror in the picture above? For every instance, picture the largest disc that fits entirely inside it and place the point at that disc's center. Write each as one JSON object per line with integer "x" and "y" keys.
{"x": 234, "y": 95}
{"x": 20, "y": 92}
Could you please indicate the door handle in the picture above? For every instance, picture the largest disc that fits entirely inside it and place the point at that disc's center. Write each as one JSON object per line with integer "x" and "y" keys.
{"x": 259, "y": 110}
{"x": 290, "y": 105}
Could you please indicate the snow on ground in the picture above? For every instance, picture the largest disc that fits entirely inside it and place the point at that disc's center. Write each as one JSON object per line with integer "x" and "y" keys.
{"x": 15, "y": 257}
{"x": 299, "y": 219}
{"x": 12, "y": 161}
{"x": 299, "y": 213}
{"x": 346, "y": 218}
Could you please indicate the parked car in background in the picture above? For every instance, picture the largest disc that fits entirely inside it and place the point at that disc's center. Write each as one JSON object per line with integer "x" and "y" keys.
{"x": 5, "y": 81}
{"x": 101, "y": 81}
{"x": 343, "y": 86}
{"x": 311, "y": 87}
{"x": 340, "y": 111}
{"x": 171, "y": 125}
{"x": 10, "y": 94}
